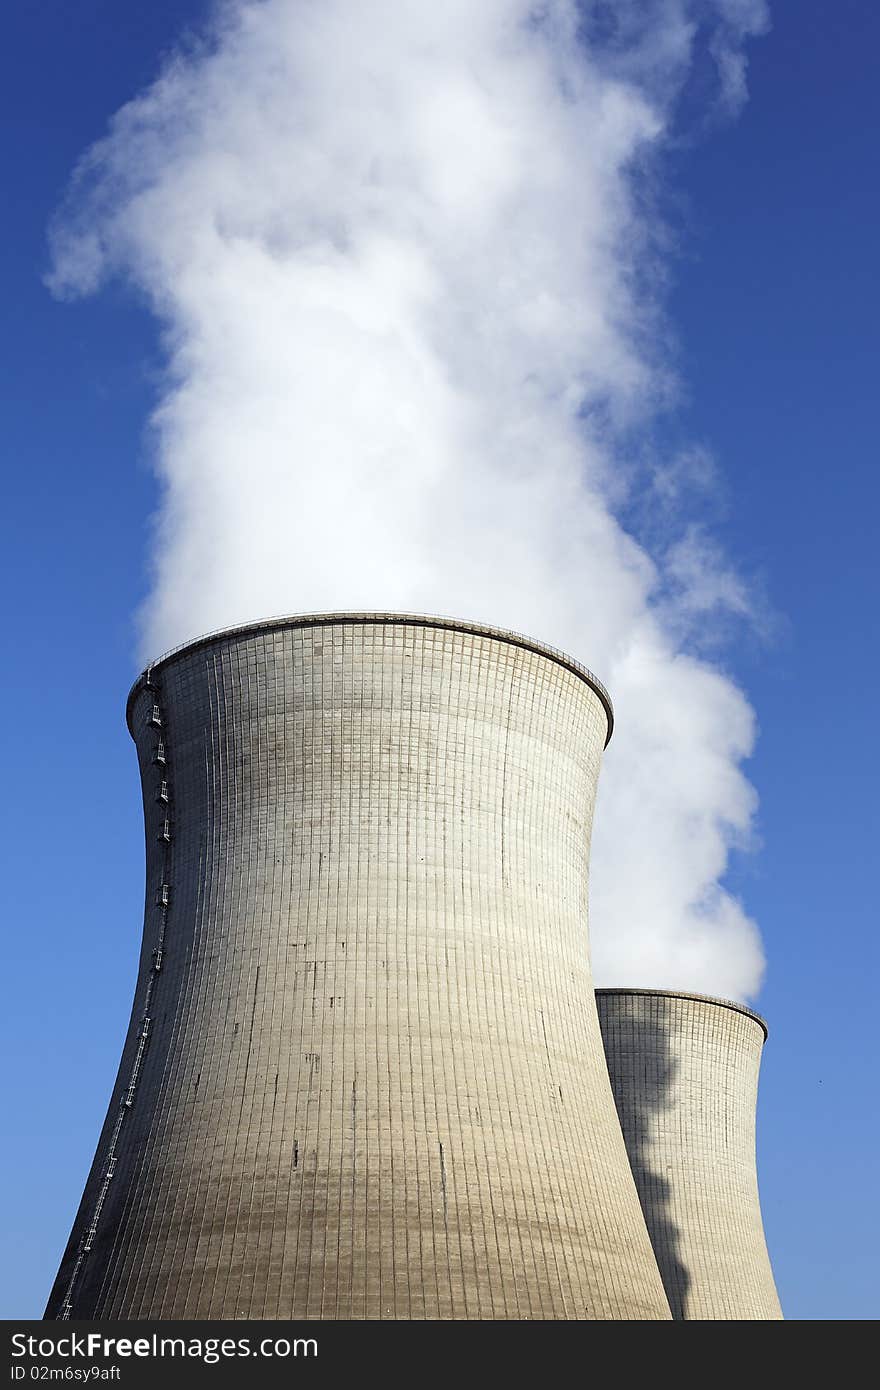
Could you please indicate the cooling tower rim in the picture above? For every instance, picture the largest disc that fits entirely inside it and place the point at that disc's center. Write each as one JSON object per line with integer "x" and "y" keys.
{"x": 498, "y": 634}
{"x": 697, "y": 999}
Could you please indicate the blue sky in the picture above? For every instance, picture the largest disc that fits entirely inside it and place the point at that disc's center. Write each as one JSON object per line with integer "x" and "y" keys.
{"x": 774, "y": 305}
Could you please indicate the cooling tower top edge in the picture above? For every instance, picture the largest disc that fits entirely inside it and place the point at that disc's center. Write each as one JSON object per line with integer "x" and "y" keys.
{"x": 516, "y": 639}
{"x": 698, "y": 999}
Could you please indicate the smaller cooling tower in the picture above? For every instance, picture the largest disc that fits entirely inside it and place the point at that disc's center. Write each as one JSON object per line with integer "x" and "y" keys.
{"x": 684, "y": 1072}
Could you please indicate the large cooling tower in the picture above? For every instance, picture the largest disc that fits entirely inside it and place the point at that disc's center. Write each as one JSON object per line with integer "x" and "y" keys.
{"x": 364, "y": 1076}
{"x": 684, "y": 1071}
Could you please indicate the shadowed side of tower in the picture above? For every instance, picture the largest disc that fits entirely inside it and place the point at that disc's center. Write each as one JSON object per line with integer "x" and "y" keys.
{"x": 684, "y": 1072}
{"x": 364, "y": 1076}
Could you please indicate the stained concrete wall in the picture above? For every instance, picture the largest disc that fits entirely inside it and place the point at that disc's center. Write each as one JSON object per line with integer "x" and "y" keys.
{"x": 364, "y": 1076}
{"x": 684, "y": 1071}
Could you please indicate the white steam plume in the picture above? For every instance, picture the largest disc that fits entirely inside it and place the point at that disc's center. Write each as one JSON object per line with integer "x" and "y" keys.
{"x": 407, "y": 273}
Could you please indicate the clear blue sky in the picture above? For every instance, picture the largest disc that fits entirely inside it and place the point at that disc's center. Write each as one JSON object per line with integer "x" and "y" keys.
{"x": 776, "y": 308}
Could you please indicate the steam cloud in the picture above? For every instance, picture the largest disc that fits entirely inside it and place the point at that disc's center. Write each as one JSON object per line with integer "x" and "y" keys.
{"x": 408, "y": 277}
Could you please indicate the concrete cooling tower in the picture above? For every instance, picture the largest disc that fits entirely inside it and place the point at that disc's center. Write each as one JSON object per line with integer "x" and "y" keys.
{"x": 684, "y": 1071}
{"x": 364, "y": 1076}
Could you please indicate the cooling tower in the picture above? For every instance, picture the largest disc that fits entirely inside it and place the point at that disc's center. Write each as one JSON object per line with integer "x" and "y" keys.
{"x": 684, "y": 1071}
{"x": 364, "y": 1076}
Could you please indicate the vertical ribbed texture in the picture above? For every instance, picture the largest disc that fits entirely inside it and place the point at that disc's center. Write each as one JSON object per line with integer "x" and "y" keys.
{"x": 374, "y": 1085}
{"x": 684, "y": 1071}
